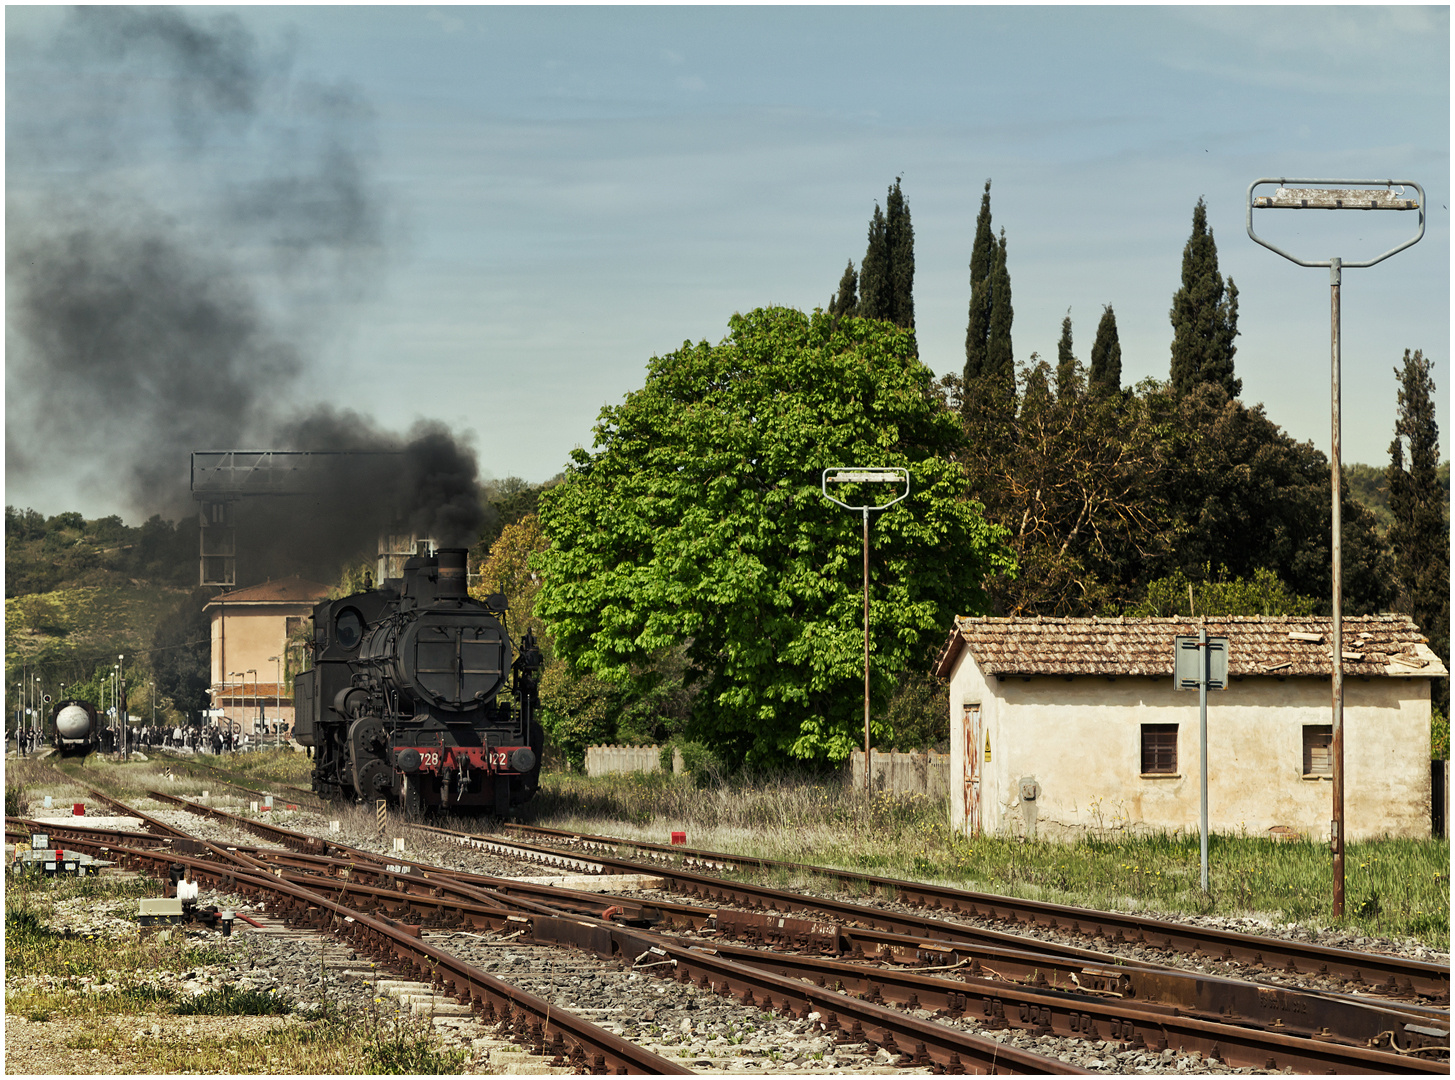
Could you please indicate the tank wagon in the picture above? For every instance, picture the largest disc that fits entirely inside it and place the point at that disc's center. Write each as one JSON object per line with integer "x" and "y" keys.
{"x": 76, "y": 726}
{"x": 415, "y": 695}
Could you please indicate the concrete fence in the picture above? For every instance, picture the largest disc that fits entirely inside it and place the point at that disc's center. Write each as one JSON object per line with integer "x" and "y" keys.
{"x": 601, "y": 760}
{"x": 920, "y": 772}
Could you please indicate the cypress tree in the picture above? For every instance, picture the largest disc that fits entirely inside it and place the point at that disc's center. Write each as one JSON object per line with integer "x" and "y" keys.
{"x": 1106, "y": 355}
{"x": 999, "y": 356}
{"x": 1065, "y": 362}
{"x": 874, "y": 296}
{"x": 846, "y": 301}
{"x": 900, "y": 240}
{"x": 1204, "y": 316}
{"x": 1420, "y": 535}
{"x": 982, "y": 261}
{"x": 886, "y": 278}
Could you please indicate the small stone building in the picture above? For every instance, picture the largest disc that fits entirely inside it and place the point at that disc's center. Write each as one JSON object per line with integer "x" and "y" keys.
{"x": 249, "y": 669}
{"x": 1062, "y": 726}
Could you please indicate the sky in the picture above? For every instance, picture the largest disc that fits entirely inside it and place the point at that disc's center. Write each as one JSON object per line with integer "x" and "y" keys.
{"x": 491, "y": 219}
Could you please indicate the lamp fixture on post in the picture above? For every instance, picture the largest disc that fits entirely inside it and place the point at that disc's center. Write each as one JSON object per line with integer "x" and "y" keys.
{"x": 277, "y": 695}
{"x": 873, "y": 474}
{"x": 1337, "y": 195}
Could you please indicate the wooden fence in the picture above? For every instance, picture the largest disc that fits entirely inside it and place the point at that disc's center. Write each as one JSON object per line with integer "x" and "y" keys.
{"x": 920, "y": 772}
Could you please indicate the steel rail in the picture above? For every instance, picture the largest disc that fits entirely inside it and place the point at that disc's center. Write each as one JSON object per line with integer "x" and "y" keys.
{"x": 545, "y": 1026}
{"x": 288, "y": 837}
{"x": 1070, "y": 1011}
{"x": 1374, "y": 972}
{"x": 221, "y": 776}
{"x": 1247, "y": 1048}
{"x": 953, "y": 1049}
{"x": 154, "y": 825}
{"x": 1211, "y": 999}
{"x": 1131, "y": 1001}
{"x": 1197, "y": 995}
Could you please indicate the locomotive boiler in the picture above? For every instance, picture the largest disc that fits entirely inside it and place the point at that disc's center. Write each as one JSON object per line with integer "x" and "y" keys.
{"x": 76, "y": 726}
{"x": 415, "y": 695}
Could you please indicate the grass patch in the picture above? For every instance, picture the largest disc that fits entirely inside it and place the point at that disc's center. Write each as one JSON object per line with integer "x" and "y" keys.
{"x": 230, "y": 1001}
{"x": 410, "y": 1051}
{"x": 35, "y": 946}
{"x": 331, "y": 1045}
{"x": 1393, "y": 888}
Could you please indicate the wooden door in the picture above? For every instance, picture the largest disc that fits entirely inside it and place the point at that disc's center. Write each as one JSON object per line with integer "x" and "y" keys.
{"x": 973, "y": 735}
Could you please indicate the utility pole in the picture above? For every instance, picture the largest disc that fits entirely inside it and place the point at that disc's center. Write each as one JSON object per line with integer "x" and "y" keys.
{"x": 1337, "y": 195}
{"x": 865, "y": 475}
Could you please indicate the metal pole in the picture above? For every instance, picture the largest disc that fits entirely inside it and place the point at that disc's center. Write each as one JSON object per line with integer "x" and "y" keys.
{"x": 1336, "y": 829}
{"x": 1203, "y": 652}
{"x": 866, "y": 648}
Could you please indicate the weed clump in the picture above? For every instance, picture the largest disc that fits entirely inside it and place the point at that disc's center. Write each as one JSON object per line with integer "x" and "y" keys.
{"x": 230, "y": 1001}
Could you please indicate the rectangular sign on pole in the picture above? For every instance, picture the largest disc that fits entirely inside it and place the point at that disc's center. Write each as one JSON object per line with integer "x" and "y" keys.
{"x": 1201, "y": 663}
{"x": 1187, "y": 663}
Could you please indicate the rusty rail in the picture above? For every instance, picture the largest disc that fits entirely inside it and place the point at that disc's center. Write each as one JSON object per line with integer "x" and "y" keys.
{"x": 1370, "y": 971}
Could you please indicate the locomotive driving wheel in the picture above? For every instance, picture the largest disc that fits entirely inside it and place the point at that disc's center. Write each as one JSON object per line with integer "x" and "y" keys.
{"x": 411, "y": 798}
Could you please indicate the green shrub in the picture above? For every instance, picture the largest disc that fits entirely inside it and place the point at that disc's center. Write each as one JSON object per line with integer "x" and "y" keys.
{"x": 410, "y": 1053}
{"x": 229, "y": 1001}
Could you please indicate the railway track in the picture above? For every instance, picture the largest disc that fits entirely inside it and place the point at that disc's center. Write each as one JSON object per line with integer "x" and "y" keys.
{"x": 1087, "y": 995}
{"x": 1364, "y": 972}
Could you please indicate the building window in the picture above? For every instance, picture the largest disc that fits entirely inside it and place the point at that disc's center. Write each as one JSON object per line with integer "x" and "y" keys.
{"x": 1159, "y": 748}
{"x": 1318, "y": 750}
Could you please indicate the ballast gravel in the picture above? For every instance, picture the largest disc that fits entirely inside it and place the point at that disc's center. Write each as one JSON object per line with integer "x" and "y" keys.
{"x": 694, "y": 1027}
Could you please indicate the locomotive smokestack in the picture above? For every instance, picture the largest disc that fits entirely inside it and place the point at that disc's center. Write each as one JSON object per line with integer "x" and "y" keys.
{"x": 451, "y": 585}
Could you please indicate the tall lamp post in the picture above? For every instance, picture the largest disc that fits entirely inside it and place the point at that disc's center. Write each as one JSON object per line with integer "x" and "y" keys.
{"x": 1337, "y": 195}
{"x": 254, "y": 673}
{"x": 121, "y": 702}
{"x": 873, "y": 474}
{"x": 238, "y": 675}
{"x": 277, "y": 695}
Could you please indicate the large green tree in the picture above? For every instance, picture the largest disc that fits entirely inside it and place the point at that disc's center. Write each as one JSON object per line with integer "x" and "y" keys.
{"x": 180, "y": 655}
{"x": 845, "y": 301}
{"x": 697, "y": 520}
{"x": 1106, "y": 356}
{"x": 886, "y": 279}
{"x": 1103, "y": 493}
{"x": 1418, "y": 501}
{"x": 986, "y": 266}
{"x": 1067, "y": 380}
{"x": 1204, "y": 316}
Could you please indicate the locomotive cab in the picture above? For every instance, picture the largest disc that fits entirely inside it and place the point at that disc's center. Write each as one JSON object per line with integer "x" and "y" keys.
{"x": 415, "y": 696}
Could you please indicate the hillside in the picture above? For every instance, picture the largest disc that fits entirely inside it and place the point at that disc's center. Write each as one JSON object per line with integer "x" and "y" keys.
{"x": 68, "y": 632}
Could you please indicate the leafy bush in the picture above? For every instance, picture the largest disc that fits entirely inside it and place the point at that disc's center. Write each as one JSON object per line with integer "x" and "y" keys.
{"x": 14, "y": 799}
{"x": 410, "y": 1053}
{"x": 229, "y": 1001}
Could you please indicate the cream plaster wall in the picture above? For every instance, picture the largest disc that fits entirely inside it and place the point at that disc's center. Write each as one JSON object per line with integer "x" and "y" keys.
{"x": 1080, "y": 739}
{"x": 252, "y": 635}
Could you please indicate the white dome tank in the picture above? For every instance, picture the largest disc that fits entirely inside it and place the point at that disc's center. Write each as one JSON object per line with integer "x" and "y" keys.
{"x": 73, "y": 722}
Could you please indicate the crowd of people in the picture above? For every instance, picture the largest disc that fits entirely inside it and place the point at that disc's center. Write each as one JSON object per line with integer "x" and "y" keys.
{"x": 212, "y": 738}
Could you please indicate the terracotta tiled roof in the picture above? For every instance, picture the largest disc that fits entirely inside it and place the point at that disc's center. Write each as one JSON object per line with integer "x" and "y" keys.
{"x": 289, "y": 590}
{"x": 1257, "y": 645}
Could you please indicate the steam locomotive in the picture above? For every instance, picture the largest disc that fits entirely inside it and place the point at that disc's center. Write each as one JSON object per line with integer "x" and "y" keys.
{"x": 413, "y": 696}
{"x": 77, "y": 729}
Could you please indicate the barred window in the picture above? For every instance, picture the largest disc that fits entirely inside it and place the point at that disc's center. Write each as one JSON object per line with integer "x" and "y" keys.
{"x": 1318, "y": 750}
{"x": 1159, "y": 748}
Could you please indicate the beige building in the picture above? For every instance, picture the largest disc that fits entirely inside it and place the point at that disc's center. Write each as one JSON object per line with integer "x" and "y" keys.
{"x": 1063, "y": 726}
{"x": 250, "y": 660}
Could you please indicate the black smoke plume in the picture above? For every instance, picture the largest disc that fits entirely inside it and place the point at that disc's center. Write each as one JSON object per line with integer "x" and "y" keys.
{"x": 184, "y": 213}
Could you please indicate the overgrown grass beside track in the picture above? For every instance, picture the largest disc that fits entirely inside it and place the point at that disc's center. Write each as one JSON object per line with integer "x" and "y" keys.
{"x": 1397, "y": 888}
{"x": 113, "y": 983}
{"x": 1394, "y": 888}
